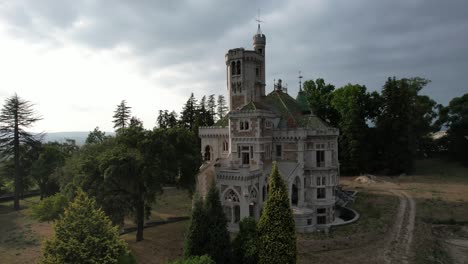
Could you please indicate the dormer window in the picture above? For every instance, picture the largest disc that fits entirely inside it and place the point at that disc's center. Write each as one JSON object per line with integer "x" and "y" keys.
{"x": 244, "y": 125}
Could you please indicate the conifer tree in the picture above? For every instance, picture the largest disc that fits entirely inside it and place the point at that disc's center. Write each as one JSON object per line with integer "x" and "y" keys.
{"x": 84, "y": 234}
{"x": 211, "y": 106}
{"x": 189, "y": 113}
{"x": 17, "y": 115}
{"x": 222, "y": 107}
{"x": 244, "y": 247}
{"x": 197, "y": 235}
{"x": 122, "y": 116}
{"x": 276, "y": 229}
{"x": 218, "y": 244}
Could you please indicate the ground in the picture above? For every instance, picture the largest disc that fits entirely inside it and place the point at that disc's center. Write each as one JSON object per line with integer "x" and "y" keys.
{"x": 419, "y": 218}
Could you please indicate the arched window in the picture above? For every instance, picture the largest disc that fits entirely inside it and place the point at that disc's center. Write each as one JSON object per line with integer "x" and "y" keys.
{"x": 233, "y": 68}
{"x": 295, "y": 191}
{"x": 207, "y": 153}
{"x": 225, "y": 146}
{"x": 231, "y": 207}
{"x": 238, "y": 66}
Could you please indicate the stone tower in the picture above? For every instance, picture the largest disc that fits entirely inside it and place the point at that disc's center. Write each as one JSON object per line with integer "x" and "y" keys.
{"x": 245, "y": 71}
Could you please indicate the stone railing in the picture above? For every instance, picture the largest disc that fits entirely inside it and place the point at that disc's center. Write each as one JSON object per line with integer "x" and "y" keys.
{"x": 213, "y": 131}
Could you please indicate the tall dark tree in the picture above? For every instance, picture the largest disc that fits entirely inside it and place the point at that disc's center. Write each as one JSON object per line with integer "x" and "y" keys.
{"x": 96, "y": 136}
{"x": 211, "y": 106}
{"x": 50, "y": 159}
{"x": 197, "y": 234}
{"x": 218, "y": 244}
{"x": 122, "y": 116}
{"x": 17, "y": 115}
{"x": 189, "y": 113}
{"x": 319, "y": 96}
{"x": 222, "y": 107}
{"x": 352, "y": 102}
{"x": 405, "y": 118}
{"x": 276, "y": 229}
{"x": 203, "y": 117}
{"x": 455, "y": 117}
{"x": 244, "y": 246}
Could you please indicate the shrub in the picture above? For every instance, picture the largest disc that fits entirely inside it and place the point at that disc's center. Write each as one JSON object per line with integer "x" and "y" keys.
{"x": 197, "y": 235}
{"x": 244, "y": 247}
{"x": 276, "y": 229}
{"x": 195, "y": 260}
{"x": 50, "y": 208}
{"x": 84, "y": 234}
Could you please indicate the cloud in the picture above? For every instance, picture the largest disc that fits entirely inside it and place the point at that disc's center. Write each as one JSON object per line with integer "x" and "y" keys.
{"x": 179, "y": 46}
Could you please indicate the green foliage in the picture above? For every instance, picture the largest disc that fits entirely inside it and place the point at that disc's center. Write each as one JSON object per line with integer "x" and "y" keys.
{"x": 219, "y": 244}
{"x": 122, "y": 116}
{"x": 84, "y": 234}
{"x": 207, "y": 233}
{"x": 194, "y": 260}
{"x": 319, "y": 96}
{"x": 455, "y": 116}
{"x": 405, "y": 119}
{"x": 352, "y": 102}
{"x": 197, "y": 234}
{"x": 126, "y": 258}
{"x": 50, "y": 208}
{"x": 15, "y": 117}
{"x": 96, "y": 136}
{"x": 222, "y": 107}
{"x": 244, "y": 246}
{"x": 166, "y": 119}
{"x": 276, "y": 229}
{"x": 189, "y": 113}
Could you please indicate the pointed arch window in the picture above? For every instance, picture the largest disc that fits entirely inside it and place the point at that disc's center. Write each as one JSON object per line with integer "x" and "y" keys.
{"x": 233, "y": 68}
{"x": 238, "y": 67}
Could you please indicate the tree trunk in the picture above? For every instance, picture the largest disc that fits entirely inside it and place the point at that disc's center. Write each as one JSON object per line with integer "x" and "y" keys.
{"x": 140, "y": 218}
{"x": 16, "y": 204}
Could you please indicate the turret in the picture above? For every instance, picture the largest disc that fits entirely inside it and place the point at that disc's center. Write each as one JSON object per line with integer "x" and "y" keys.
{"x": 259, "y": 41}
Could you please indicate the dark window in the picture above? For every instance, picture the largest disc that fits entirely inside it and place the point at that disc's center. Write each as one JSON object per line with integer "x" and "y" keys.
{"x": 264, "y": 192}
{"x": 236, "y": 214}
{"x": 321, "y": 210}
{"x": 320, "y": 193}
{"x": 251, "y": 210}
{"x": 309, "y": 221}
{"x": 245, "y": 158}
{"x": 238, "y": 66}
{"x": 320, "y": 158}
{"x": 278, "y": 150}
{"x": 260, "y": 51}
{"x": 257, "y": 72}
{"x": 321, "y": 220}
{"x": 238, "y": 152}
{"x": 233, "y": 68}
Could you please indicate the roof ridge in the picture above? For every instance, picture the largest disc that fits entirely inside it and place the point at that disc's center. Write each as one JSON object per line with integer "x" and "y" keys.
{"x": 287, "y": 109}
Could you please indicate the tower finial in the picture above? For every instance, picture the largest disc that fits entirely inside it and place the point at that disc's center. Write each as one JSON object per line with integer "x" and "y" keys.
{"x": 300, "y": 81}
{"x": 259, "y": 30}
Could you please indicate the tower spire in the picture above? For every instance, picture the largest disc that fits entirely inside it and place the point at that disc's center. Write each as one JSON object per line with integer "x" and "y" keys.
{"x": 259, "y": 30}
{"x": 300, "y": 81}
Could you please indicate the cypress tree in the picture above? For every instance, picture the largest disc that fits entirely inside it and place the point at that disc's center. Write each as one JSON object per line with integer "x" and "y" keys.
{"x": 197, "y": 236}
{"x": 276, "y": 229}
{"x": 218, "y": 246}
{"x": 244, "y": 247}
{"x": 84, "y": 234}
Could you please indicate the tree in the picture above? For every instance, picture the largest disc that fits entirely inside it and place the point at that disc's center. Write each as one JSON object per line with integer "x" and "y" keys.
{"x": 17, "y": 115}
{"x": 122, "y": 116}
{"x": 455, "y": 116}
{"x": 319, "y": 96}
{"x": 196, "y": 239}
{"x": 189, "y": 113}
{"x": 166, "y": 119}
{"x": 194, "y": 260}
{"x": 96, "y": 136}
{"x": 244, "y": 247}
{"x": 218, "y": 241}
{"x": 276, "y": 229}
{"x": 211, "y": 106}
{"x": 405, "y": 119}
{"x": 84, "y": 234}
{"x": 222, "y": 107}
{"x": 352, "y": 103}
{"x": 43, "y": 168}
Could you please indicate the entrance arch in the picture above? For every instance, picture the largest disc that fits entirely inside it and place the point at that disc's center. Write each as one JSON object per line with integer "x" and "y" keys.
{"x": 295, "y": 191}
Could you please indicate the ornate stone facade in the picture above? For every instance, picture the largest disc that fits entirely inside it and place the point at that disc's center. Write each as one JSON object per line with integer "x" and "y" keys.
{"x": 265, "y": 128}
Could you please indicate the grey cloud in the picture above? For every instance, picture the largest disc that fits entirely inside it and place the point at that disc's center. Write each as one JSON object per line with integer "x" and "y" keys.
{"x": 361, "y": 41}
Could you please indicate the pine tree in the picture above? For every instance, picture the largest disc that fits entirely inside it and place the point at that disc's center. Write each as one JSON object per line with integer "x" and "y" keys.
{"x": 84, "y": 234}
{"x": 244, "y": 247}
{"x": 122, "y": 116}
{"x": 211, "y": 106}
{"x": 189, "y": 113}
{"x": 218, "y": 245}
{"x": 197, "y": 236}
{"x": 16, "y": 115}
{"x": 276, "y": 229}
{"x": 222, "y": 108}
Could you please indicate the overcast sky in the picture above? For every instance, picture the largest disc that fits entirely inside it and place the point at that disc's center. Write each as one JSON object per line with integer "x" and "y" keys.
{"x": 76, "y": 60}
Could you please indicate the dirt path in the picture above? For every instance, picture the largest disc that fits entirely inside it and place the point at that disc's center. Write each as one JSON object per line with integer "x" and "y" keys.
{"x": 398, "y": 245}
